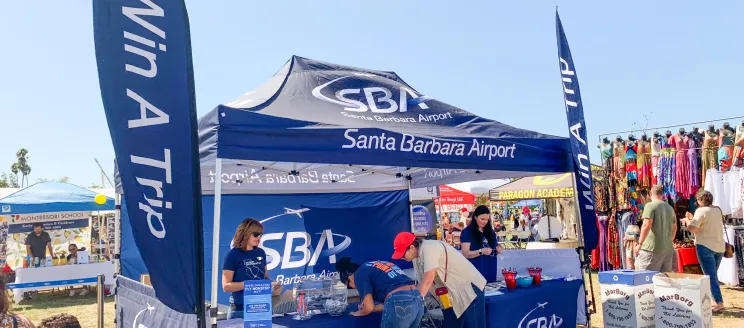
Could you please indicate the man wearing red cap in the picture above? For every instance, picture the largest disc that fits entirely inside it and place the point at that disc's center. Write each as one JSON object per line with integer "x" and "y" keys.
{"x": 443, "y": 270}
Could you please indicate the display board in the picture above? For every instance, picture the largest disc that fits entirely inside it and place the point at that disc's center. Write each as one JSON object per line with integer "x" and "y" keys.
{"x": 64, "y": 228}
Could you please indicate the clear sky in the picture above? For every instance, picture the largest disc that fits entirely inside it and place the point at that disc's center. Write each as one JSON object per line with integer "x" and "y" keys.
{"x": 640, "y": 63}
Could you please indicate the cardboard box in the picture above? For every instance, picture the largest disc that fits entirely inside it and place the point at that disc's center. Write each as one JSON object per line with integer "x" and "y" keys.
{"x": 627, "y": 298}
{"x": 683, "y": 301}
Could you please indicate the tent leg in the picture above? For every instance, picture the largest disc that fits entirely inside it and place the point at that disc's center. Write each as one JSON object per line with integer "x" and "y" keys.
{"x": 410, "y": 204}
{"x": 117, "y": 234}
{"x": 582, "y": 256}
{"x": 216, "y": 239}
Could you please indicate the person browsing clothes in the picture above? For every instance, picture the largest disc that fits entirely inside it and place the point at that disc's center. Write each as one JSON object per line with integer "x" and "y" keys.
{"x": 440, "y": 267}
{"x": 479, "y": 245}
{"x": 245, "y": 261}
{"x": 707, "y": 225}
{"x": 386, "y": 284}
{"x": 38, "y": 242}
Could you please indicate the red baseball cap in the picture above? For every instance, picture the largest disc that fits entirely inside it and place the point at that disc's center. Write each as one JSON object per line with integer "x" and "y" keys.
{"x": 401, "y": 243}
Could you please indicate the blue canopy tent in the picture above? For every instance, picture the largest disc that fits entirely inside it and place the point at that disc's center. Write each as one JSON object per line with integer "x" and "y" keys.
{"x": 45, "y": 197}
{"x": 368, "y": 126}
{"x": 527, "y": 202}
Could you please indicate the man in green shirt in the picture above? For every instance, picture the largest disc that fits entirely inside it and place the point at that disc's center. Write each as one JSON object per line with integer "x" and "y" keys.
{"x": 655, "y": 249}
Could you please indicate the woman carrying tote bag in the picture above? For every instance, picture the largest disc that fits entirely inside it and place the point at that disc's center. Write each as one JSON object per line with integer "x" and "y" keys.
{"x": 707, "y": 225}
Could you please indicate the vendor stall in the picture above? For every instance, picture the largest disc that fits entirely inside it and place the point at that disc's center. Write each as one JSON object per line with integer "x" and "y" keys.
{"x": 376, "y": 133}
{"x": 64, "y": 212}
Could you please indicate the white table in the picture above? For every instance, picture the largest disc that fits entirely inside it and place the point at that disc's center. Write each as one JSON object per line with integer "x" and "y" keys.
{"x": 62, "y": 272}
{"x": 545, "y": 245}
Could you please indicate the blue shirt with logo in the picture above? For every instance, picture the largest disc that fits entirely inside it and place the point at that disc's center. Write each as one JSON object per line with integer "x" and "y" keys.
{"x": 379, "y": 278}
{"x": 486, "y": 264}
{"x": 246, "y": 265}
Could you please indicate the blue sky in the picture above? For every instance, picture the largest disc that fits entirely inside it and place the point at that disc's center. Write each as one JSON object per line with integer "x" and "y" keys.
{"x": 640, "y": 63}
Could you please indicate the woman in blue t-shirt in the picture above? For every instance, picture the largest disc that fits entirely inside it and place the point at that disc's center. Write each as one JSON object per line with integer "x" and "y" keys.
{"x": 245, "y": 261}
{"x": 479, "y": 244}
{"x": 385, "y": 284}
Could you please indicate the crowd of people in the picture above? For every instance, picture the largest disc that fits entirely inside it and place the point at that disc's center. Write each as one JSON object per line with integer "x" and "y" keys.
{"x": 456, "y": 277}
{"x": 652, "y": 246}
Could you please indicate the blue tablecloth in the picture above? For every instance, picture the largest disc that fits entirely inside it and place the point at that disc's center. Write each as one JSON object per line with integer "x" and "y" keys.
{"x": 317, "y": 321}
{"x": 537, "y": 306}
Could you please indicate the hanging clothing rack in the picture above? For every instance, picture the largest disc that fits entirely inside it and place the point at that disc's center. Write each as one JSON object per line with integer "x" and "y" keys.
{"x": 672, "y": 126}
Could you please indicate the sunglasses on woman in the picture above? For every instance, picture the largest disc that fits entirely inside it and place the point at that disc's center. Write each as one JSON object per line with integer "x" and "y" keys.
{"x": 257, "y": 234}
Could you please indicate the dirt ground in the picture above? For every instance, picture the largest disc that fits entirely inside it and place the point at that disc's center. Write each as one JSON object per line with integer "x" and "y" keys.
{"x": 732, "y": 317}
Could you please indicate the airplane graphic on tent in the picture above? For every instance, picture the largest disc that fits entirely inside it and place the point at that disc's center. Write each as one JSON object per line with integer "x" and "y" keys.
{"x": 287, "y": 211}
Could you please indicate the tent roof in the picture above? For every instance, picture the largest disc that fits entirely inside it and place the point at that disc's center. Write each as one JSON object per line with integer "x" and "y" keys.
{"x": 537, "y": 187}
{"x": 527, "y": 202}
{"x": 47, "y": 197}
{"x": 317, "y": 112}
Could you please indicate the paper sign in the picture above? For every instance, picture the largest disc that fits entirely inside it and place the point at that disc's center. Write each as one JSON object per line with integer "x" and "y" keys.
{"x": 257, "y": 304}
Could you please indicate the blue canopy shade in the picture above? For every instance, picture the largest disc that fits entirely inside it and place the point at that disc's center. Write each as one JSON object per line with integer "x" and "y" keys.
{"x": 527, "y": 202}
{"x": 317, "y": 112}
{"x": 45, "y": 197}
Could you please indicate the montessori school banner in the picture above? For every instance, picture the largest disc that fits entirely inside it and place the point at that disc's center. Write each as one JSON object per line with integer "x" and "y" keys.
{"x": 143, "y": 51}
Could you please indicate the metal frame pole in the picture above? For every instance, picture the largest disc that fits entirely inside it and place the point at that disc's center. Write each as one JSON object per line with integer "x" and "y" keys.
{"x": 99, "y": 292}
{"x": 410, "y": 203}
{"x": 582, "y": 256}
{"x": 117, "y": 234}
{"x": 216, "y": 239}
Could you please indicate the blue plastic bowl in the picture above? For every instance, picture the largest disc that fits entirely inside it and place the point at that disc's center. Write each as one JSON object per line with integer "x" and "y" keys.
{"x": 524, "y": 281}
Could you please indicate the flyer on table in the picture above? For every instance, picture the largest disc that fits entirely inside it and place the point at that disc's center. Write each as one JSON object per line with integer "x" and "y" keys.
{"x": 257, "y": 300}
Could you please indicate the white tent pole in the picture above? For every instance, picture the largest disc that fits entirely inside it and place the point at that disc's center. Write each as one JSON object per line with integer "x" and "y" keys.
{"x": 580, "y": 234}
{"x": 410, "y": 204}
{"x": 117, "y": 233}
{"x": 216, "y": 239}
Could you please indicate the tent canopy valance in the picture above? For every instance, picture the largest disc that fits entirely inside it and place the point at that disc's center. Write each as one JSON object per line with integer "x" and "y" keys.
{"x": 45, "y": 197}
{"x": 537, "y": 187}
{"x": 316, "y": 112}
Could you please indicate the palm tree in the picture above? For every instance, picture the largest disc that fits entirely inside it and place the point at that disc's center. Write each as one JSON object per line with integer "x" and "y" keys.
{"x": 21, "y": 166}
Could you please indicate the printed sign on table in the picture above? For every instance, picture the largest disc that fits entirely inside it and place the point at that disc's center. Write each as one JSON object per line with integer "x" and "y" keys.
{"x": 422, "y": 220}
{"x": 257, "y": 304}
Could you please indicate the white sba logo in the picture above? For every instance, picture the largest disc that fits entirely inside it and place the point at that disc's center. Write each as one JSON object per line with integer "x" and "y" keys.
{"x": 149, "y": 310}
{"x": 287, "y": 261}
{"x": 375, "y": 97}
{"x": 552, "y": 321}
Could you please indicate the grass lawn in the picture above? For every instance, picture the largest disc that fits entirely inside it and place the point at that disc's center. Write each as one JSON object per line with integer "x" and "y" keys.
{"x": 47, "y": 304}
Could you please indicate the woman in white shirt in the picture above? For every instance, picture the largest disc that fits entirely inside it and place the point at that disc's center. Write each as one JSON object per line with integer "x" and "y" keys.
{"x": 440, "y": 266}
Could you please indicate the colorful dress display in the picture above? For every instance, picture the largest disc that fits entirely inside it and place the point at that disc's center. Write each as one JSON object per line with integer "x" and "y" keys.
{"x": 709, "y": 154}
{"x": 667, "y": 169}
{"x": 631, "y": 168}
{"x": 644, "y": 164}
{"x": 692, "y": 157}
{"x": 682, "y": 166}
{"x": 618, "y": 159}
{"x": 726, "y": 151}
{"x": 655, "y": 152}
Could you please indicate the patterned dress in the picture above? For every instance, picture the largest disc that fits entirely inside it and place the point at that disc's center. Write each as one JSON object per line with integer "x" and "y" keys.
{"x": 631, "y": 168}
{"x": 667, "y": 166}
{"x": 655, "y": 152}
{"x": 682, "y": 168}
{"x": 692, "y": 157}
{"x": 709, "y": 154}
{"x": 726, "y": 152}
{"x": 618, "y": 159}
{"x": 644, "y": 164}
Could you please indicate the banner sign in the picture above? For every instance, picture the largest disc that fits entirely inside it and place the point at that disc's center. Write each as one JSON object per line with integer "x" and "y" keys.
{"x": 305, "y": 234}
{"x": 272, "y": 177}
{"x": 257, "y": 304}
{"x": 47, "y": 217}
{"x": 49, "y": 225}
{"x": 539, "y": 187}
{"x": 577, "y": 131}
{"x": 137, "y": 306}
{"x": 143, "y": 51}
{"x": 422, "y": 219}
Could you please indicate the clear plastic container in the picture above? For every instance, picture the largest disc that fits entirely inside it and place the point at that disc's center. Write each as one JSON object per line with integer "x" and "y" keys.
{"x": 336, "y": 305}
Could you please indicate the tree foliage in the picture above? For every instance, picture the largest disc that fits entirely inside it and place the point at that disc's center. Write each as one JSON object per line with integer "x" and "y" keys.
{"x": 21, "y": 167}
{"x": 9, "y": 181}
